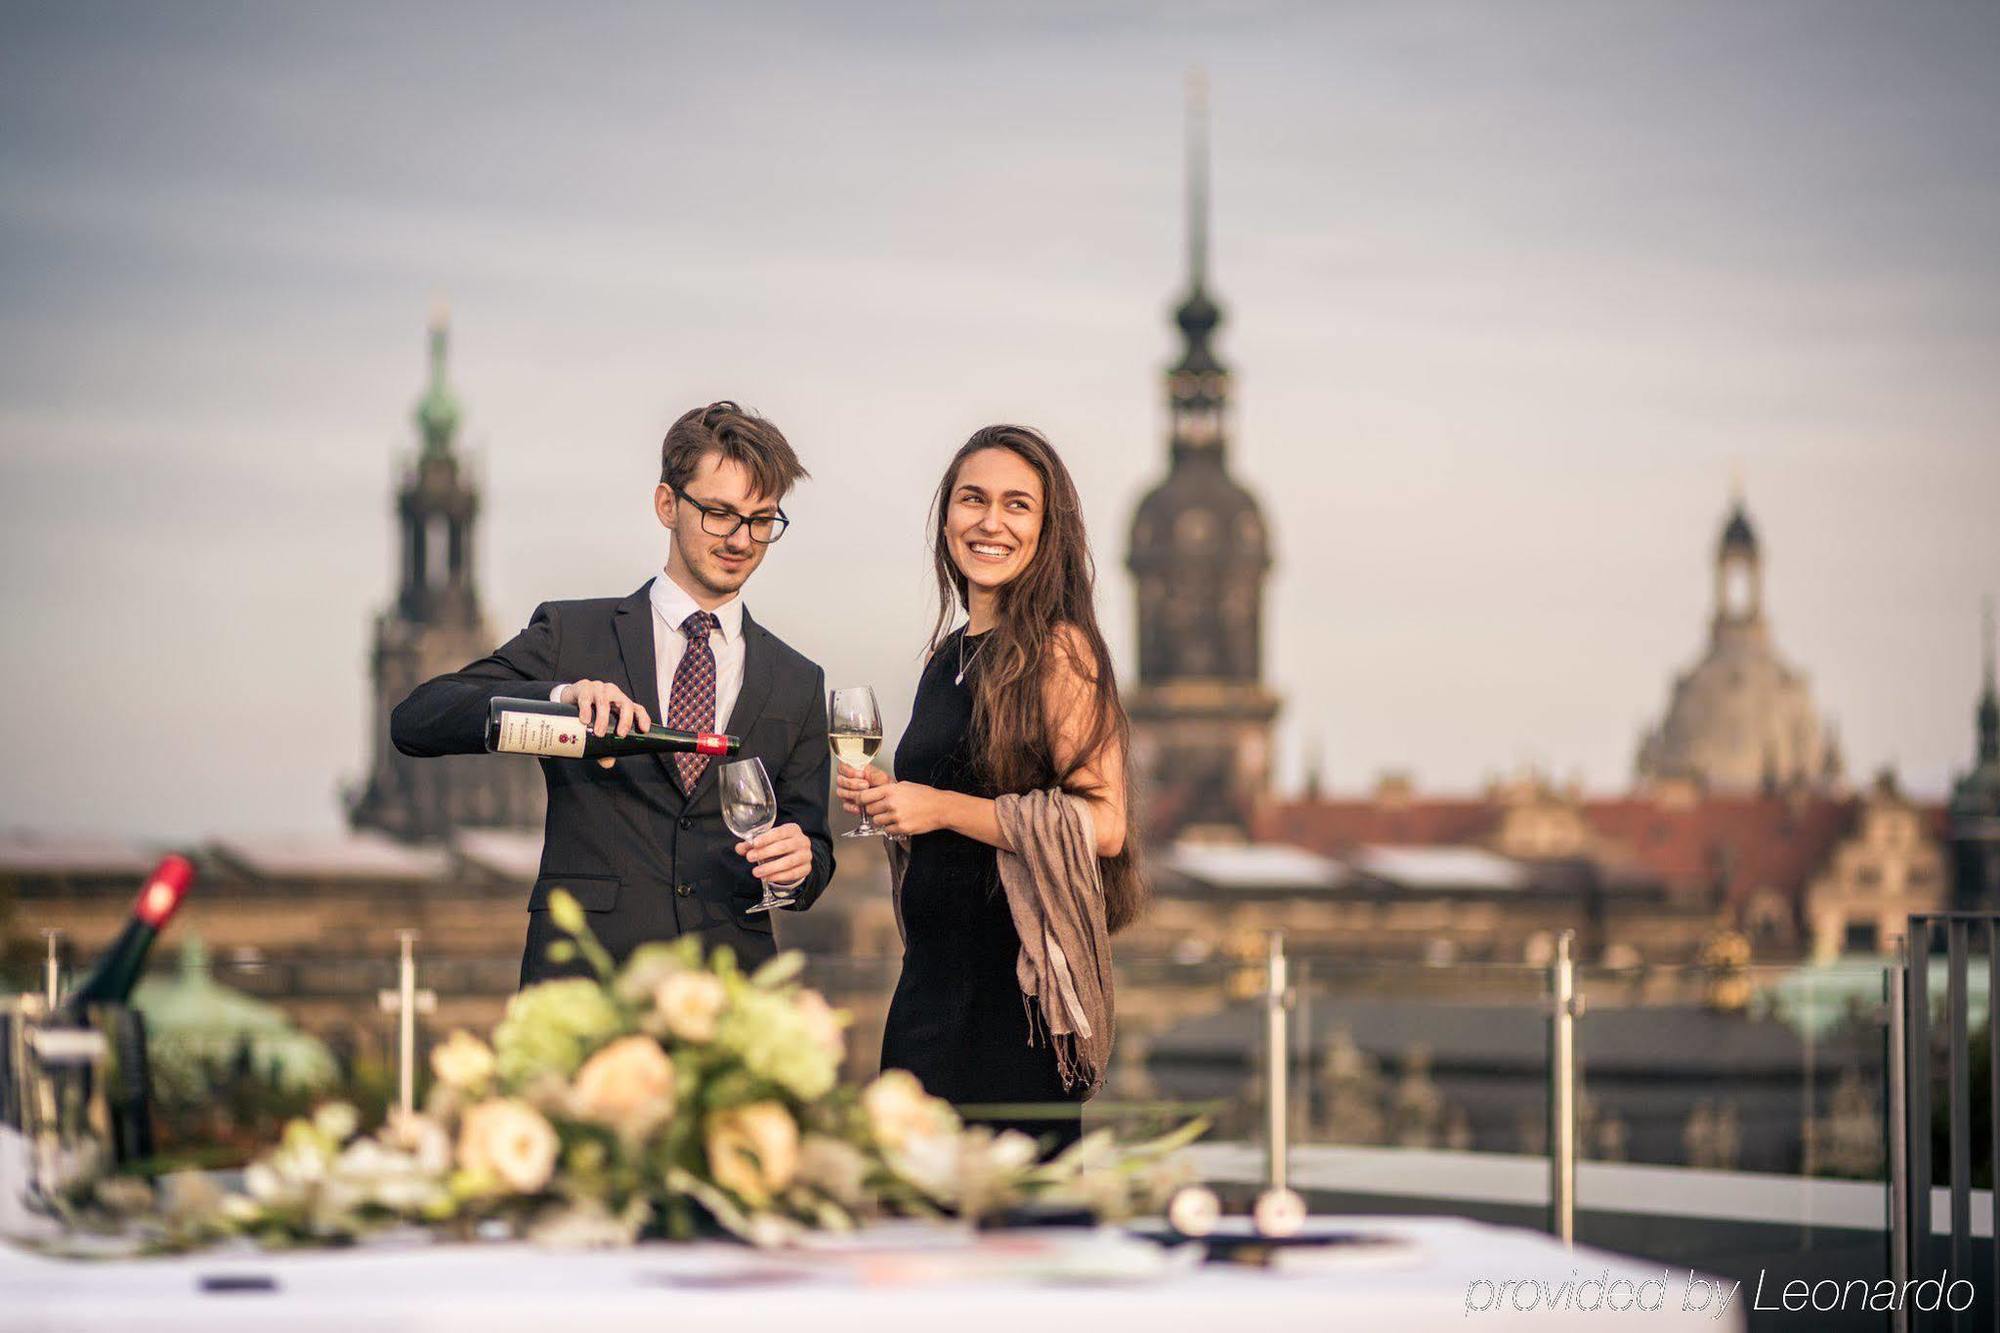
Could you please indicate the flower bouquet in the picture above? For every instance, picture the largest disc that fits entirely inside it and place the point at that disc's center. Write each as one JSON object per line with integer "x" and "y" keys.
{"x": 669, "y": 1096}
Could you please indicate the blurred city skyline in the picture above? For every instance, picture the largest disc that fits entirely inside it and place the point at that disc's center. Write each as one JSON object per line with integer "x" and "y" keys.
{"x": 1511, "y": 293}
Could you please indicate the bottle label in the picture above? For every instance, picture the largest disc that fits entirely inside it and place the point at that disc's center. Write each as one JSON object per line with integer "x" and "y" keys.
{"x": 542, "y": 734}
{"x": 707, "y": 742}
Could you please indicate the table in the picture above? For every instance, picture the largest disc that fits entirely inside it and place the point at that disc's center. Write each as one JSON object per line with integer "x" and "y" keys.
{"x": 1446, "y": 1275}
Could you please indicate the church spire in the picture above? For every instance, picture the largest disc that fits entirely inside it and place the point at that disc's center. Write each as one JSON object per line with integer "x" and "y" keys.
{"x": 1197, "y": 315}
{"x": 1198, "y": 384}
{"x": 437, "y": 410}
{"x": 1989, "y": 698}
{"x": 1200, "y": 554}
{"x": 1197, "y": 179}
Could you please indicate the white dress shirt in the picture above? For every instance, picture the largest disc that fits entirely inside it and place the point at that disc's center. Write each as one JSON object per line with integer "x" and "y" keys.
{"x": 672, "y": 606}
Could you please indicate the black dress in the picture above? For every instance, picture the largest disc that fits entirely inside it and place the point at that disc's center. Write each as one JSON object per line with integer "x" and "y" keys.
{"x": 959, "y": 1021}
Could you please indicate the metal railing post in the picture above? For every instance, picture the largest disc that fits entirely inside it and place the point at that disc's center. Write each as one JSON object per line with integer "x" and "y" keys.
{"x": 406, "y": 1002}
{"x": 1993, "y": 1090}
{"x": 1277, "y": 1067}
{"x": 1917, "y": 1089}
{"x": 1916, "y": 1168}
{"x": 1895, "y": 985}
{"x": 52, "y": 967}
{"x": 1562, "y": 1091}
{"x": 1958, "y": 1065}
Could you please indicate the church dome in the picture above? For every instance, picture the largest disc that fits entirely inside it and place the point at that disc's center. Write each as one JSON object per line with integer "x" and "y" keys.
{"x": 1742, "y": 719}
{"x": 1201, "y": 515}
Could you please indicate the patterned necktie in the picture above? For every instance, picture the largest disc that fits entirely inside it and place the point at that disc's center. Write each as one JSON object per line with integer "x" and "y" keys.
{"x": 691, "y": 706}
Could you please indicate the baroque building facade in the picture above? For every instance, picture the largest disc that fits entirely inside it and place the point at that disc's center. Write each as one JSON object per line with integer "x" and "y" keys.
{"x": 1742, "y": 719}
{"x": 1200, "y": 555}
{"x": 435, "y": 625}
{"x": 1890, "y": 864}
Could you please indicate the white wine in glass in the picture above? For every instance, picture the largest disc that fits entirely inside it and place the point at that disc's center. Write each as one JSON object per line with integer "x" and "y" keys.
{"x": 750, "y": 808}
{"x": 853, "y": 747}
{"x": 854, "y": 730}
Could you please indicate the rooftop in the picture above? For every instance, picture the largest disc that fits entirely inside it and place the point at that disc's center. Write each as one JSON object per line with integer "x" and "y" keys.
{"x": 28, "y": 853}
{"x": 1257, "y": 865}
{"x": 1442, "y": 867}
{"x": 337, "y": 856}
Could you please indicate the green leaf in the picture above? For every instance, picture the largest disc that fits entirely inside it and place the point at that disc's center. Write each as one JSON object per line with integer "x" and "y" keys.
{"x": 778, "y": 970}
{"x": 566, "y": 911}
{"x": 562, "y": 951}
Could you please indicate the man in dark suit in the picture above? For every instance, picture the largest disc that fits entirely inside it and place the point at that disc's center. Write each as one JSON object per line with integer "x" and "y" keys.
{"x": 640, "y": 841}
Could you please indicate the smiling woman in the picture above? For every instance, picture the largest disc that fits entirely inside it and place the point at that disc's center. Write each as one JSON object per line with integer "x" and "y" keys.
{"x": 1013, "y": 797}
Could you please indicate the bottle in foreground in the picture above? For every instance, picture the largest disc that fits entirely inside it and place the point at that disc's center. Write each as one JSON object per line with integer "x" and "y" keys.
{"x": 118, "y": 968}
{"x": 553, "y": 731}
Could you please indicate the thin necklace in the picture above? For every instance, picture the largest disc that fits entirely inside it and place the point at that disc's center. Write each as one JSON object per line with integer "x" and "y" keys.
{"x": 963, "y": 661}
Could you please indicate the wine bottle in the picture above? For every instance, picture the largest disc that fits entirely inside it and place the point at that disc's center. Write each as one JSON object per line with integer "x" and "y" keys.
{"x": 553, "y": 731}
{"x": 117, "y": 969}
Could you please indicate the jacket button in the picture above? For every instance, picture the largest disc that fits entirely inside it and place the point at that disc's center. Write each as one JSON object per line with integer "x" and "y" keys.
{"x": 686, "y": 823}
{"x": 684, "y": 890}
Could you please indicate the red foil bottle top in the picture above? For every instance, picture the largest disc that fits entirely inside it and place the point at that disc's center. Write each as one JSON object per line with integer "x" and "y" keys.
{"x": 708, "y": 742}
{"x": 165, "y": 888}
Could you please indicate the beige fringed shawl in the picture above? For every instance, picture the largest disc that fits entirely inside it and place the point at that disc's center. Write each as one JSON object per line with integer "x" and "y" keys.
{"x": 1055, "y": 893}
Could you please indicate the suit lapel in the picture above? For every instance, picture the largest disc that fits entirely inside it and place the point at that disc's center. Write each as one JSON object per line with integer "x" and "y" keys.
{"x": 758, "y": 670}
{"x": 633, "y": 623}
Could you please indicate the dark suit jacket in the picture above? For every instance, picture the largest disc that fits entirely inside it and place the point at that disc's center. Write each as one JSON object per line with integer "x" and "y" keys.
{"x": 646, "y": 862}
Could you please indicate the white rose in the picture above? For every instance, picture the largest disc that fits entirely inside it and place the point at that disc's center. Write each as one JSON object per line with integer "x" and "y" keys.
{"x": 509, "y": 1141}
{"x": 337, "y": 1120}
{"x": 422, "y": 1137}
{"x": 586, "y": 1225}
{"x": 822, "y": 1021}
{"x": 753, "y": 1150}
{"x": 628, "y": 1084}
{"x": 835, "y": 1168}
{"x": 264, "y": 1184}
{"x": 931, "y": 1162}
{"x": 899, "y": 1110}
{"x": 464, "y": 1061}
{"x": 691, "y": 1003}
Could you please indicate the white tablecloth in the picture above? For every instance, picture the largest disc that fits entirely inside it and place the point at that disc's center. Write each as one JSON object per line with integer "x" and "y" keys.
{"x": 1448, "y": 1277}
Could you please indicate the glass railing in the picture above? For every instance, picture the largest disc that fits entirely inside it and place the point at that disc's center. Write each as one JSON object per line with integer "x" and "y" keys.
{"x": 1408, "y": 1055}
{"x": 1764, "y": 1071}
{"x": 1774, "y": 1070}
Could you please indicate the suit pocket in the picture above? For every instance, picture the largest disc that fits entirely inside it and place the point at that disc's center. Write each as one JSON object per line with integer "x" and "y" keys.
{"x": 594, "y": 893}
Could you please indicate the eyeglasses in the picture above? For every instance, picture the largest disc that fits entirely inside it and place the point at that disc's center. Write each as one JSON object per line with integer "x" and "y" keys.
{"x": 722, "y": 521}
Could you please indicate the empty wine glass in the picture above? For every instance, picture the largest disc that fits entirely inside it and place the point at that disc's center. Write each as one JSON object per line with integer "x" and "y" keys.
{"x": 749, "y": 808}
{"x": 854, "y": 730}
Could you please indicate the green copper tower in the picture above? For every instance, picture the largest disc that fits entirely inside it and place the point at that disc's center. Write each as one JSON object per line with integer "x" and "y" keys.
{"x": 434, "y": 624}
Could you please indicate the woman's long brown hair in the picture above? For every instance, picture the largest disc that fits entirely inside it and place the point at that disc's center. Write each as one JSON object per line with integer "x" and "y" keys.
{"x": 1011, "y": 734}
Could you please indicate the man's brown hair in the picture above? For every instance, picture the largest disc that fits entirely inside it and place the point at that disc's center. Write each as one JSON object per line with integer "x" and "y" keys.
{"x": 739, "y": 436}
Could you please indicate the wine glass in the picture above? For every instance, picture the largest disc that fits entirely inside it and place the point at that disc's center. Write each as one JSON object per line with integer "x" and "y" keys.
{"x": 854, "y": 730}
{"x": 749, "y": 807}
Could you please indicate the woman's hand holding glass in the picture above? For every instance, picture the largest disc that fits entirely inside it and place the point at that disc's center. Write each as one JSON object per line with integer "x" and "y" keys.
{"x": 850, "y": 781}
{"x": 901, "y": 809}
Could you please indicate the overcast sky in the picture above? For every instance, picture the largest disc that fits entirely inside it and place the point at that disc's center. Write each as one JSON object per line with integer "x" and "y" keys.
{"x": 1511, "y": 290}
